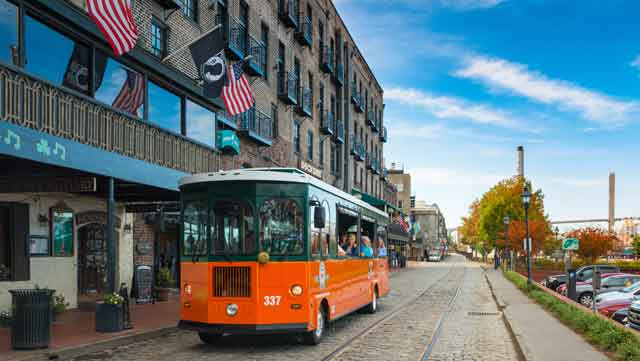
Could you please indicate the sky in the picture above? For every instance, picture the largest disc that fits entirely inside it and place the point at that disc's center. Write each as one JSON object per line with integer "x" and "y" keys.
{"x": 467, "y": 81}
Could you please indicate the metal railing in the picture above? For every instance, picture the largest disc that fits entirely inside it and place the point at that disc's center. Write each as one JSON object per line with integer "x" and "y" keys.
{"x": 339, "y": 74}
{"x": 258, "y": 52}
{"x": 383, "y": 134}
{"x": 304, "y": 34}
{"x": 288, "y": 86}
{"x": 339, "y": 134}
{"x": 326, "y": 124}
{"x": 36, "y": 104}
{"x": 238, "y": 37}
{"x": 256, "y": 122}
{"x": 288, "y": 10}
{"x": 371, "y": 118}
{"x": 327, "y": 59}
{"x": 305, "y": 101}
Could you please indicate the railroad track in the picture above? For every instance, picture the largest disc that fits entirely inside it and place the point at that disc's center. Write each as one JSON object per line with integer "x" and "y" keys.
{"x": 363, "y": 333}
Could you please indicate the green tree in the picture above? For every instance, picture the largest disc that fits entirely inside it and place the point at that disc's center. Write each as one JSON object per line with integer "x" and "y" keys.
{"x": 635, "y": 243}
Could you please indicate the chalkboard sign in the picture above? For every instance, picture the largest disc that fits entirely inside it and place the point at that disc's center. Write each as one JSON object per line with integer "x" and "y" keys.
{"x": 144, "y": 284}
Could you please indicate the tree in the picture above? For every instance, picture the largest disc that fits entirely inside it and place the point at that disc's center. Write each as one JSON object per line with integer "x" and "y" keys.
{"x": 635, "y": 243}
{"x": 594, "y": 242}
{"x": 538, "y": 232}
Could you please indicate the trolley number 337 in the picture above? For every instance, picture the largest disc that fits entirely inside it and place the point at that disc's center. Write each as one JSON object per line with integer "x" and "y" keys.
{"x": 272, "y": 300}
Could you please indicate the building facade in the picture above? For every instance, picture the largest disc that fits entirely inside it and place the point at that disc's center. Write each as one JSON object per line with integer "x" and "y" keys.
{"x": 95, "y": 144}
{"x": 402, "y": 182}
{"x": 432, "y": 231}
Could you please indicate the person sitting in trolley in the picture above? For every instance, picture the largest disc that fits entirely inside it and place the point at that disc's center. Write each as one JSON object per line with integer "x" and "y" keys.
{"x": 367, "y": 251}
{"x": 352, "y": 244}
{"x": 382, "y": 250}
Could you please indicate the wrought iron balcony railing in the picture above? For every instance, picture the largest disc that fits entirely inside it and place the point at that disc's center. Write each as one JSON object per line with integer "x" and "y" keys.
{"x": 371, "y": 120}
{"x": 36, "y": 104}
{"x": 257, "y": 125}
{"x": 226, "y": 119}
{"x": 339, "y": 74}
{"x": 288, "y": 87}
{"x": 305, "y": 102}
{"x": 237, "y": 39}
{"x": 288, "y": 11}
{"x": 258, "y": 61}
{"x": 357, "y": 149}
{"x": 339, "y": 134}
{"x": 326, "y": 63}
{"x": 383, "y": 134}
{"x": 326, "y": 123}
{"x": 304, "y": 33}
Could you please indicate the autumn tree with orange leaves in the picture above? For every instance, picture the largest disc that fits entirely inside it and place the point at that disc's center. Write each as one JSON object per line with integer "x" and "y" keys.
{"x": 594, "y": 242}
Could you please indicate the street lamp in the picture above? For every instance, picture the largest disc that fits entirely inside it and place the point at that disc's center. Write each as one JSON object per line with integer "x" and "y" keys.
{"x": 526, "y": 201}
{"x": 506, "y": 221}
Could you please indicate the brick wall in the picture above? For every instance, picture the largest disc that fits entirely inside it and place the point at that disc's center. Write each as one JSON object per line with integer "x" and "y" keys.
{"x": 143, "y": 234}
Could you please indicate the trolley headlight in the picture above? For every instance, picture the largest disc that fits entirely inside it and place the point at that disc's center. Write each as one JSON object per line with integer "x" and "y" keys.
{"x": 296, "y": 290}
{"x": 232, "y": 309}
{"x": 187, "y": 289}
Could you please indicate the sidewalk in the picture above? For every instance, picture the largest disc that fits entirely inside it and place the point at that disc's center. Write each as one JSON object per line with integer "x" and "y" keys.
{"x": 540, "y": 335}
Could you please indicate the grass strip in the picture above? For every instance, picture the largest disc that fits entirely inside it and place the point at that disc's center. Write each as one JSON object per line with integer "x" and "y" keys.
{"x": 624, "y": 344}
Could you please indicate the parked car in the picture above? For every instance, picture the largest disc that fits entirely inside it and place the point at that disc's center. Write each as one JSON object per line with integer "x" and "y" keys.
{"x": 621, "y": 315}
{"x": 633, "y": 315}
{"x": 624, "y": 295}
{"x": 583, "y": 273}
{"x": 562, "y": 289}
{"x": 434, "y": 257}
{"x": 584, "y": 292}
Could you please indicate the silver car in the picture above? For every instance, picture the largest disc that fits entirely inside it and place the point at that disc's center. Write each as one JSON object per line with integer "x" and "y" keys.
{"x": 584, "y": 292}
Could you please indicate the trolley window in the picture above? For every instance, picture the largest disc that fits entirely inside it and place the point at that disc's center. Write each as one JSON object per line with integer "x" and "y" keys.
{"x": 233, "y": 230}
{"x": 194, "y": 228}
{"x": 282, "y": 224}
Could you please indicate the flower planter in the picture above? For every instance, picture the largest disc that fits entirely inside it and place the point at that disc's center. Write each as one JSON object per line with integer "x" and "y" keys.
{"x": 162, "y": 294}
{"x": 109, "y": 318}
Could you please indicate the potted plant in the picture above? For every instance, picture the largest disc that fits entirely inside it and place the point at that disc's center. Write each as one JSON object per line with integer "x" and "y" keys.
{"x": 59, "y": 304}
{"x": 109, "y": 314}
{"x": 163, "y": 282}
{"x": 5, "y": 319}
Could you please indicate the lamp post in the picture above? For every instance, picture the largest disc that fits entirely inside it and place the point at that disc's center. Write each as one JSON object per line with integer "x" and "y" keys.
{"x": 506, "y": 221}
{"x": 526, "y": 201}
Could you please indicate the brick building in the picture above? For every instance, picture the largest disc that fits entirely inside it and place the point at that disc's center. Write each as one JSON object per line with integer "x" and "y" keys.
{"x": 77, "y": 157}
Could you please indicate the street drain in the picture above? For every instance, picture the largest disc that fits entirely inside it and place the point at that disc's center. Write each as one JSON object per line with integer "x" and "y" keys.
{"x": 483, "y": 313}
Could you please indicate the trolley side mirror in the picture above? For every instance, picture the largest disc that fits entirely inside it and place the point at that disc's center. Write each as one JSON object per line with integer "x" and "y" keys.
{"x": 319, "y": 217}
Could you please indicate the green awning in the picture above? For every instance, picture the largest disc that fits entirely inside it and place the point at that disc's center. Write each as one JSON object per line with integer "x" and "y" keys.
{"x": 376, "y": 202}
{"x": 228, "y": 142}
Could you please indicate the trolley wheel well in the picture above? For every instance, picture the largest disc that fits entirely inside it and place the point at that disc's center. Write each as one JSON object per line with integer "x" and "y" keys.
{"x": 325, "y": 307}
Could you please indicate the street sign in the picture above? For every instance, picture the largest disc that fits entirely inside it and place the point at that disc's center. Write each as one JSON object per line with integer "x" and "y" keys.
{"x": 524, "y": 244}
{"x": 570, "y": 244}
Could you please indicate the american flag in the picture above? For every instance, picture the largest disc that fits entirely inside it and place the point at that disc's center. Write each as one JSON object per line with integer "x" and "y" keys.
{"x": 115, "y": 20}
{"x": 236, "y": 94}
{"x": 131, "y": 94}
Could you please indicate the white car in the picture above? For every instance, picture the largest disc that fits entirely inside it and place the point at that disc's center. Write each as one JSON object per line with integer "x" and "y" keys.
{"x": 625, "y": 294}
{"x": 434, "y": 257}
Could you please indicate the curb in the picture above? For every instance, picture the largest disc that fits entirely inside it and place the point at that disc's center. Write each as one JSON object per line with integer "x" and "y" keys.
{"x": 523, "y": 353}
{"x": 99, "y": 346}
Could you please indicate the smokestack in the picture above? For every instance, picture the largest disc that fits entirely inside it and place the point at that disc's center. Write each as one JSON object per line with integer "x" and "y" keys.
{"x": 520, "y": 169}
{"x": 612, "y": 200}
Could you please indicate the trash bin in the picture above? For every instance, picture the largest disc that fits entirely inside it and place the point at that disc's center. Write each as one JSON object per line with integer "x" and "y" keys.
{"x": 32, "y": 318}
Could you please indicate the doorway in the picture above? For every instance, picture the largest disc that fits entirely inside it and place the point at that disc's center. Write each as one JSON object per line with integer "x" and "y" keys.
{"x": 92, "y": 261}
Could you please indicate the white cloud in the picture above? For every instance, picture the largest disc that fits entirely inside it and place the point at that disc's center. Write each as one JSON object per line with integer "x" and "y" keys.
{"x": 580, "y": 182}
{"x": 447, "y": 107}
{"x": 518, "y": 79}
{"x": 636, "y": 62}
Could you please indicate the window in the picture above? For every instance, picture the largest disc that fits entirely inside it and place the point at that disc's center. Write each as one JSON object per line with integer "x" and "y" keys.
{"x": 332, "y": 159}
{"x": 320, "y": 40}
{"x": 379, "y": 244}
{"x": 400, "y": 205}
{"x": 233, "y": 229}
{"x": 321, "y": 154}
{"x": 194, "y": 228}
{"x": 201, "y": 124}
{"x": 55, "y": 57}
{"x": 264, "y": 35}
{"x": 158, "y": 39}
{"x": 164, "y": 108}
{"x": 244, "y": 21}
{"x": 310, "y": 144}
{"x": 121, "y": 88}
{"x": 8, "y": 33}
{"x": 14, "y": 229}
{"x": 296, "y": 136}
{"x": 189, "y": 9}
{"x": 296, "y": 71}
{"x": 338, "y": 160}
{"x": 321, "y": 238}
{"x": 281, "y": 227}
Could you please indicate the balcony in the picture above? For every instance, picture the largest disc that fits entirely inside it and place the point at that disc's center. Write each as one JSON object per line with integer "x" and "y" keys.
{"x": 258, "y": 62}
{"x": 256, "y": 125}
{"x": 326, "y": 123}
{"x": 237, "y": 39}
{"x": 305, "y": 102}
{"x": 288, "y": 12}
{"x": 357, "y": 149}
{"x": 375, "y": 165}
{"x": 357, "y": 99}
{"x": 304, "y": 33}
{"x": 339, "y": 74}
{"x": 34, "y": 104}
{"x": 371, "y": 119}
{"x": 368, "y": 160}
{"x": 288, "y": 87}
{"x": 339, "y": 134}
{"x": 326, "y": 59}
{"x": 224, "y": 118}
{"x": 383, "y": 134}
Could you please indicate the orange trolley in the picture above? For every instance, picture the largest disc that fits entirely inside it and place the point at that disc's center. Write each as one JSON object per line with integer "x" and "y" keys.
{"x": 261, "y": 253}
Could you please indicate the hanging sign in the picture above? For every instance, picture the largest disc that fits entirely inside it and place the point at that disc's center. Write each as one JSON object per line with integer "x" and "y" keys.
{"x": 309, "y": 168}
{"x": 228, "y": 142}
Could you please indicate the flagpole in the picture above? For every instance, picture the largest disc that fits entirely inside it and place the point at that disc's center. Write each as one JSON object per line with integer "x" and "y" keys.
{"x": 192, "y": 41}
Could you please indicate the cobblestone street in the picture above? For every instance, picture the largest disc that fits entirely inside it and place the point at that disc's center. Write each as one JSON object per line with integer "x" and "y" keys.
{"x": 452, "y": 296}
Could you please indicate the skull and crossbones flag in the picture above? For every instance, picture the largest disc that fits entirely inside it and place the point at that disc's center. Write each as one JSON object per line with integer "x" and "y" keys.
{"x": 208, "y": 56}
